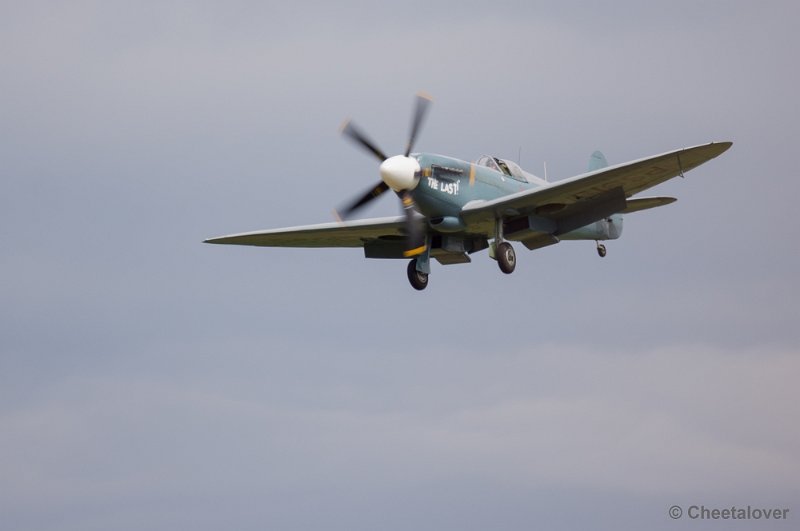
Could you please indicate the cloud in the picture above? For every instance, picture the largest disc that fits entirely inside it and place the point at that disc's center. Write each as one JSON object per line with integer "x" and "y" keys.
{"x": 145, "y": 377}
{"x": 659, "y": 423}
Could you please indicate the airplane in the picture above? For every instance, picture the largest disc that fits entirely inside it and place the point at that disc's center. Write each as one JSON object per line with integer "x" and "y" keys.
{"x": 453, "y": 208}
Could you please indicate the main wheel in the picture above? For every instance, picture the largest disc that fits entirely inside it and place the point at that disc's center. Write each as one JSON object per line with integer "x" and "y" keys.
{"x": 418, "y": 279}
{"x": 506, "y": 258}
{"x": 601, "y": 250}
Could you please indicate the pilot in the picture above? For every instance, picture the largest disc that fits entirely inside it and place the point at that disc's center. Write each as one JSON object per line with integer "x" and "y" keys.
{"x": 503, "y": 166}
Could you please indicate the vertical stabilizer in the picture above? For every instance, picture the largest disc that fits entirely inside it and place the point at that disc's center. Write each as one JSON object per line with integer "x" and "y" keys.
{"x": 597, "y": 161}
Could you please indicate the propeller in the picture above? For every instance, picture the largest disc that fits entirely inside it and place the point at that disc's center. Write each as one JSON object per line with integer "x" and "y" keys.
{"x": 423, "y": 102}
{"x": 353, "y": 132}
{"x": 399, "y": 173}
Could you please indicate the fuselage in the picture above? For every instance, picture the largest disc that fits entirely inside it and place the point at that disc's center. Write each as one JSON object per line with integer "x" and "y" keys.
{"x": 447, "y": 184}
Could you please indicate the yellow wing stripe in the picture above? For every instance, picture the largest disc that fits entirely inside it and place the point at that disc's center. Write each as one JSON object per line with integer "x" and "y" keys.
{"x": 414, "y": 252}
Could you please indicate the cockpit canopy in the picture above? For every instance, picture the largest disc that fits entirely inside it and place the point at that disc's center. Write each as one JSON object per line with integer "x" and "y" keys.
{"x": 507, "y": 168}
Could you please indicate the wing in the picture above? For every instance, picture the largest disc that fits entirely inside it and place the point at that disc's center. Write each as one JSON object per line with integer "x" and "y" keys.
{"x": 583, "y": 199}
{"x": 341, "y": 234}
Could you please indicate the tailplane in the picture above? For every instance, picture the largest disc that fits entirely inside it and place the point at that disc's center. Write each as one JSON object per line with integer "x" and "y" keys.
{"x": 597, "y": 161}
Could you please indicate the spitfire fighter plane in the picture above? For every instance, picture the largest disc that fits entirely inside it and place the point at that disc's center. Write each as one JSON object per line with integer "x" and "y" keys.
{"x": 453, "y": 208}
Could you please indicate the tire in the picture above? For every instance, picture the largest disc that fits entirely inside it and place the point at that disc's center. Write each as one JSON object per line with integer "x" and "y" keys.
{"x": 601, "y": 250}
{"x": 506, "y": 258}
{"x": 418, "y": 279}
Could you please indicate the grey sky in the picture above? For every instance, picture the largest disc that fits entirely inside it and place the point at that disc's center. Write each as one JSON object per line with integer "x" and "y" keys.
{"x": 150, "y": 381}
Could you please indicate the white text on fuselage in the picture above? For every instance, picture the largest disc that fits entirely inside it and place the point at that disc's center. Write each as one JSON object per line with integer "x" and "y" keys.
{"x": 447, "y": 187}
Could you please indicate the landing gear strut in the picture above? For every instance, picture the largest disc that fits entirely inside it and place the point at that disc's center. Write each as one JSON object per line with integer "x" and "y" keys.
{"x": 601, "y": 249}
{"x": 418, "y": 279}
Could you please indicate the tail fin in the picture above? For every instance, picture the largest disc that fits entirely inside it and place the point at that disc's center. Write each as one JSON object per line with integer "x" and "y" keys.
{"x": 597, "y": 161}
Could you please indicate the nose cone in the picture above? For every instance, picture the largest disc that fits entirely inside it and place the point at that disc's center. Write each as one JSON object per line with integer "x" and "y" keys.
{"x": 400, "y": 172}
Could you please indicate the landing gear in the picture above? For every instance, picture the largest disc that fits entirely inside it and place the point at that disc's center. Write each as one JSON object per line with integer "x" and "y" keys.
{"x": 506, "y": 257}
{"x": 418, "y": 279}
{"x": 601, "y": 249}
{"x": 502, "y": 250}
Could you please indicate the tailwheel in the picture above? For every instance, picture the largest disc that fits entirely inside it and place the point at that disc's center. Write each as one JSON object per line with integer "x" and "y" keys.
{"x": 418, "y": 279}
{"x": 506, "y": 257}
{"x": 601, "y": 250}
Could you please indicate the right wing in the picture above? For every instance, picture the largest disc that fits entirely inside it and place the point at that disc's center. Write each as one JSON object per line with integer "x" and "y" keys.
{"x": 337, "y": 234}
{"x": 582, "y": 199}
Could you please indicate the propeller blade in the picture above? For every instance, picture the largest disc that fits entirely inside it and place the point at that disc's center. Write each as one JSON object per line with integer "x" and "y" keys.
{"x": 423, "y": 102}
{"x": 355, "y": 134}
{"x": 399, "y": 171}
{"x": 371, "y": 194}
{"x": 415, "y": 233}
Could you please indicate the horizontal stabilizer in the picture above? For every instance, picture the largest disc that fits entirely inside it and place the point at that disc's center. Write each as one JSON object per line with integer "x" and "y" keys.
{"x": 597, "y": 161}
{"x": 644, "y": 203}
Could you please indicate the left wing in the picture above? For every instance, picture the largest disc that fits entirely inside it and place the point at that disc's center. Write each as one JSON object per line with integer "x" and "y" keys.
{"x": 341, "y": 234}
{"x": 583, "y": 199}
